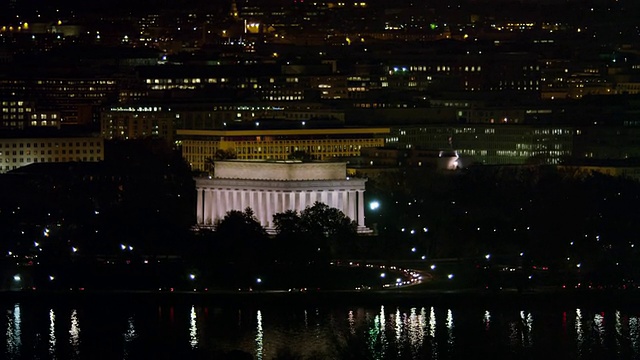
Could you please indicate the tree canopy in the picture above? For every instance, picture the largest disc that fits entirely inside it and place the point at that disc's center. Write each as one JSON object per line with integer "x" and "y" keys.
{"x": 318, "y": 232}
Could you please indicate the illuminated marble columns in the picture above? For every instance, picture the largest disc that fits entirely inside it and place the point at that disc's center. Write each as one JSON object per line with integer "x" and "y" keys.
{"x": 269, "y": 188}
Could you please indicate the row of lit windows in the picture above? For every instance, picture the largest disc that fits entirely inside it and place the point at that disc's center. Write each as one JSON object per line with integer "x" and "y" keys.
{"x": 63, "y": 159}
{"x": 200, "y": 147}
{"x": 186, "y": 81}
{"x": 48, "y": 144}
{"x": 49, "y": 152}
{"x": 72, "y": 82}
{"x": 288, "y": 149}
{"x": 15, "y": 110}
{"x": 444, "y": 68}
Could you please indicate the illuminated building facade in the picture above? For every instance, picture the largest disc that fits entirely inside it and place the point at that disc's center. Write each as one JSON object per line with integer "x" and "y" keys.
{"x": 16, "y": 152}
{"x": 491, "y": 144}
{"x": 140, "y": 122}
{"x": 199, "y": 147}
{"x": 271, "y": 187}
{"x": 20, "y": 114}
{"x": 75, "y": 99}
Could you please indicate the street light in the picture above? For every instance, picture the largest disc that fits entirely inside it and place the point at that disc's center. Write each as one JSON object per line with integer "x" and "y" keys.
{"x": 374, "y": 205}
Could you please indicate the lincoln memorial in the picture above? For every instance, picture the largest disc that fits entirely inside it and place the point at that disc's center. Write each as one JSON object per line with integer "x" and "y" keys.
{"x": 270, "y": 187}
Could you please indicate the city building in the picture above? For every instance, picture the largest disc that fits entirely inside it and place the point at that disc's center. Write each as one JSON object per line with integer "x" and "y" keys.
{"x": 199, "y": 147}
{"x": 19, "y": 149}
{"x": 129, "y": 122}
{"x": 20, "y": 114}
{"x": 490, "y": 144}
{"x": 74, "y": 99}
{"x": 271, "y": 187}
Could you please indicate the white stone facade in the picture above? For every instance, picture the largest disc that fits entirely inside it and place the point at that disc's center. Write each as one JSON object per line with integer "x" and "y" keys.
{"x": 274, "y": 187}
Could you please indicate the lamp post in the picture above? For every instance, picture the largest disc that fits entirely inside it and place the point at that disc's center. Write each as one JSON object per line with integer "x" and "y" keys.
{"x": 374, "y": 206}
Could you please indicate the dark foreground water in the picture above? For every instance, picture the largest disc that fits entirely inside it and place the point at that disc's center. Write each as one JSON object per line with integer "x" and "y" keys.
{"x": 128, "y": 329}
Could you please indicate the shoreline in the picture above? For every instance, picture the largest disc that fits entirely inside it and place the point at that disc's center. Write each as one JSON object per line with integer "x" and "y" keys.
{"x": 452, "y": 298}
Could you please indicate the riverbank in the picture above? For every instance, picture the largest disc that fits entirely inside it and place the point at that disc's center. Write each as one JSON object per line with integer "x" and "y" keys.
{"x": 535, "y": 298}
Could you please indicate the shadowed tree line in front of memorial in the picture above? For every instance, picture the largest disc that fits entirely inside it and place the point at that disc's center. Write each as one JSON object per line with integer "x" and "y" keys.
{"x": 317, "y": 233}
{"x": 303, "y": 244}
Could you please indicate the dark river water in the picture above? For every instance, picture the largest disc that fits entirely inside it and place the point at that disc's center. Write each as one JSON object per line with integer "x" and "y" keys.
{"x": 128, "y": 329}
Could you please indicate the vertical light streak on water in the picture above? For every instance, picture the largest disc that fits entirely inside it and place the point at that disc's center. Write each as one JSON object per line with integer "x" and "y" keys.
{"x": 259, "y": 337}
{"x": 432, "y": 334}
{"x": 450, "y": 326}
{"x": 423, "y": 325}
{"x": 633, "y": 334}
{"x": 193, "y": 328}
{"x": 129, "y": 335}
{"x": 579, "y": 331}
{"x": 432, "y": 323}
{"x": 74, "y": 333}
{"x": 598, "y": 326}
{"x": 352, "y": 323}
{"x": 398, "y": 330}
{"x": 619, "y": 334}
{"x": 487, "y": 320}
{"x": 415, "y": 331}
{"x": 523, "y": 328}
{"x": 14, "y": 341}
{"x": 52, "y": 334}
{"x": 526, "y": 325}
{"x": 306, "y": 319}
{"x": 383, "y": 333}
{"x": 374, "y": 337}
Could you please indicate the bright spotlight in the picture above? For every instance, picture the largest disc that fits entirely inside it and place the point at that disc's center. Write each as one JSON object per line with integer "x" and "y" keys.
{"x": 374, "y": 205}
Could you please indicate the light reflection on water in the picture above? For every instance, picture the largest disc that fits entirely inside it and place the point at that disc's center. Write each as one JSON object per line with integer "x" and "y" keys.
{"x": 52, "y": 334}
{"x": 419, "y": 332}
{"x": 634, "y": 334}
{"x": 74, "y": 333}
{"x": 14, "y": 333}
{"x": 259, "y": 336}
{"x": 487, "y": 320}
{"x": 193, "y": 328}
{"x": 579, "y": 331}
{"x": 129, "y": 336}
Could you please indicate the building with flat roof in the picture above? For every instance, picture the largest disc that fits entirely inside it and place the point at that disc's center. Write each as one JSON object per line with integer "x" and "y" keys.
{"x": 271, "y": 187}
{"x": 21, "y": 149}
{"x": 199, "y": 147}
{"x": 490, "y": 144}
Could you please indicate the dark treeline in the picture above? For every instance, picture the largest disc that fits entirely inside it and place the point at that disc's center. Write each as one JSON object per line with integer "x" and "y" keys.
{"x": 560, "y": 218}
